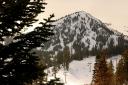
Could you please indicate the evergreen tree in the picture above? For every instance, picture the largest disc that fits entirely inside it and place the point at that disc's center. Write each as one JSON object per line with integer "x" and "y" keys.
{"x": 18, "y": 64}
{"x": 66, "y": 58}
{"x": 111, "y": 73}
{"x": 120, "y": 73}
{"x": 125, "y": 59}
{"x": 55, "y": 66}
{"x": 122, "y": 70}
{"x": 96, "y": 69}
{"x": 60, "y": 57}
{"x": 100, "y": 75}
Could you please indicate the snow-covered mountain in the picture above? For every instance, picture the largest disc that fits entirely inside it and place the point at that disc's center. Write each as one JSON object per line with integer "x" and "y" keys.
{"x": 84, "y": 35}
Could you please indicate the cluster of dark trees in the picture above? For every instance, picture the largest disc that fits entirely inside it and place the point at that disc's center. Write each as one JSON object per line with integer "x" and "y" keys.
{"x": 62, "y": 59}
{"x": 104, "y": 73}
{"x": 18, "y": 63}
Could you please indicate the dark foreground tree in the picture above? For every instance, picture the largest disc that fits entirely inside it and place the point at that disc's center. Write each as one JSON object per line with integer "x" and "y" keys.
{"x": 18, "y": 64}
{"x": 100, "y": 74}
{"x": 111, "y": 73}
{"x": 120, "y": 73}
{"x": 122, "y": 70}
{"x": 125, "y": 59}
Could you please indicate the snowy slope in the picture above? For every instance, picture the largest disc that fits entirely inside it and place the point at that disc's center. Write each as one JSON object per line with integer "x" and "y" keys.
{"x": 80, "y": 72}
{"x": 82, "y": 32}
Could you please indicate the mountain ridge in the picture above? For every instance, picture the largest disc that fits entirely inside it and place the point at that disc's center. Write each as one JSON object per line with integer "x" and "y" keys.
{"x": 82, "y": 33}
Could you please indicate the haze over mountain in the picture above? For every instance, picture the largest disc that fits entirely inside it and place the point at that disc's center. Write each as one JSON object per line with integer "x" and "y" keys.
{"x": 122, "y": 29}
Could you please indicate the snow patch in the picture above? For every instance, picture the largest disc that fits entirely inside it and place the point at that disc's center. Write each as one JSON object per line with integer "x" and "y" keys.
{"x": 80, "y": 72}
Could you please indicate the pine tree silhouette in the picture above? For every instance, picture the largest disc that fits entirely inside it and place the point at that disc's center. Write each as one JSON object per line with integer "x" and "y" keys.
{"x": 119, "y": 73}
{"x": 122, "y": 70}
{"x": 100, "y": 74}
{"x": 18, "y": 64}
{"x": 111, "y": 73}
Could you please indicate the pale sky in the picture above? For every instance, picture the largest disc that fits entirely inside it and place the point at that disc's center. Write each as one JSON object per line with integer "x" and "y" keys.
{"x": 110, "y": 11}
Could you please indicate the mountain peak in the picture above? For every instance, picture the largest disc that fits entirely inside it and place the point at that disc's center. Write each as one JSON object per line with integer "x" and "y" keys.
{"x": 79, "y": 14}
{"x": 83, "y": 34}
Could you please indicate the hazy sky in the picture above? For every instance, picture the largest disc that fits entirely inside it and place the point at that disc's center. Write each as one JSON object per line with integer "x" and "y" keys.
{"x": 111, "y": 11}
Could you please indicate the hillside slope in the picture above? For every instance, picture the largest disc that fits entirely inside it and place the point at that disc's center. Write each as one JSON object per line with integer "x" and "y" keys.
{"x": 84, "y": 35}
{"x": 80, "y": 72}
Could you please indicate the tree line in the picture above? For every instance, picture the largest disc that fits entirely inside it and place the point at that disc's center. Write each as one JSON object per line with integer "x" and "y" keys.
{"x": 104, "y": 73}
